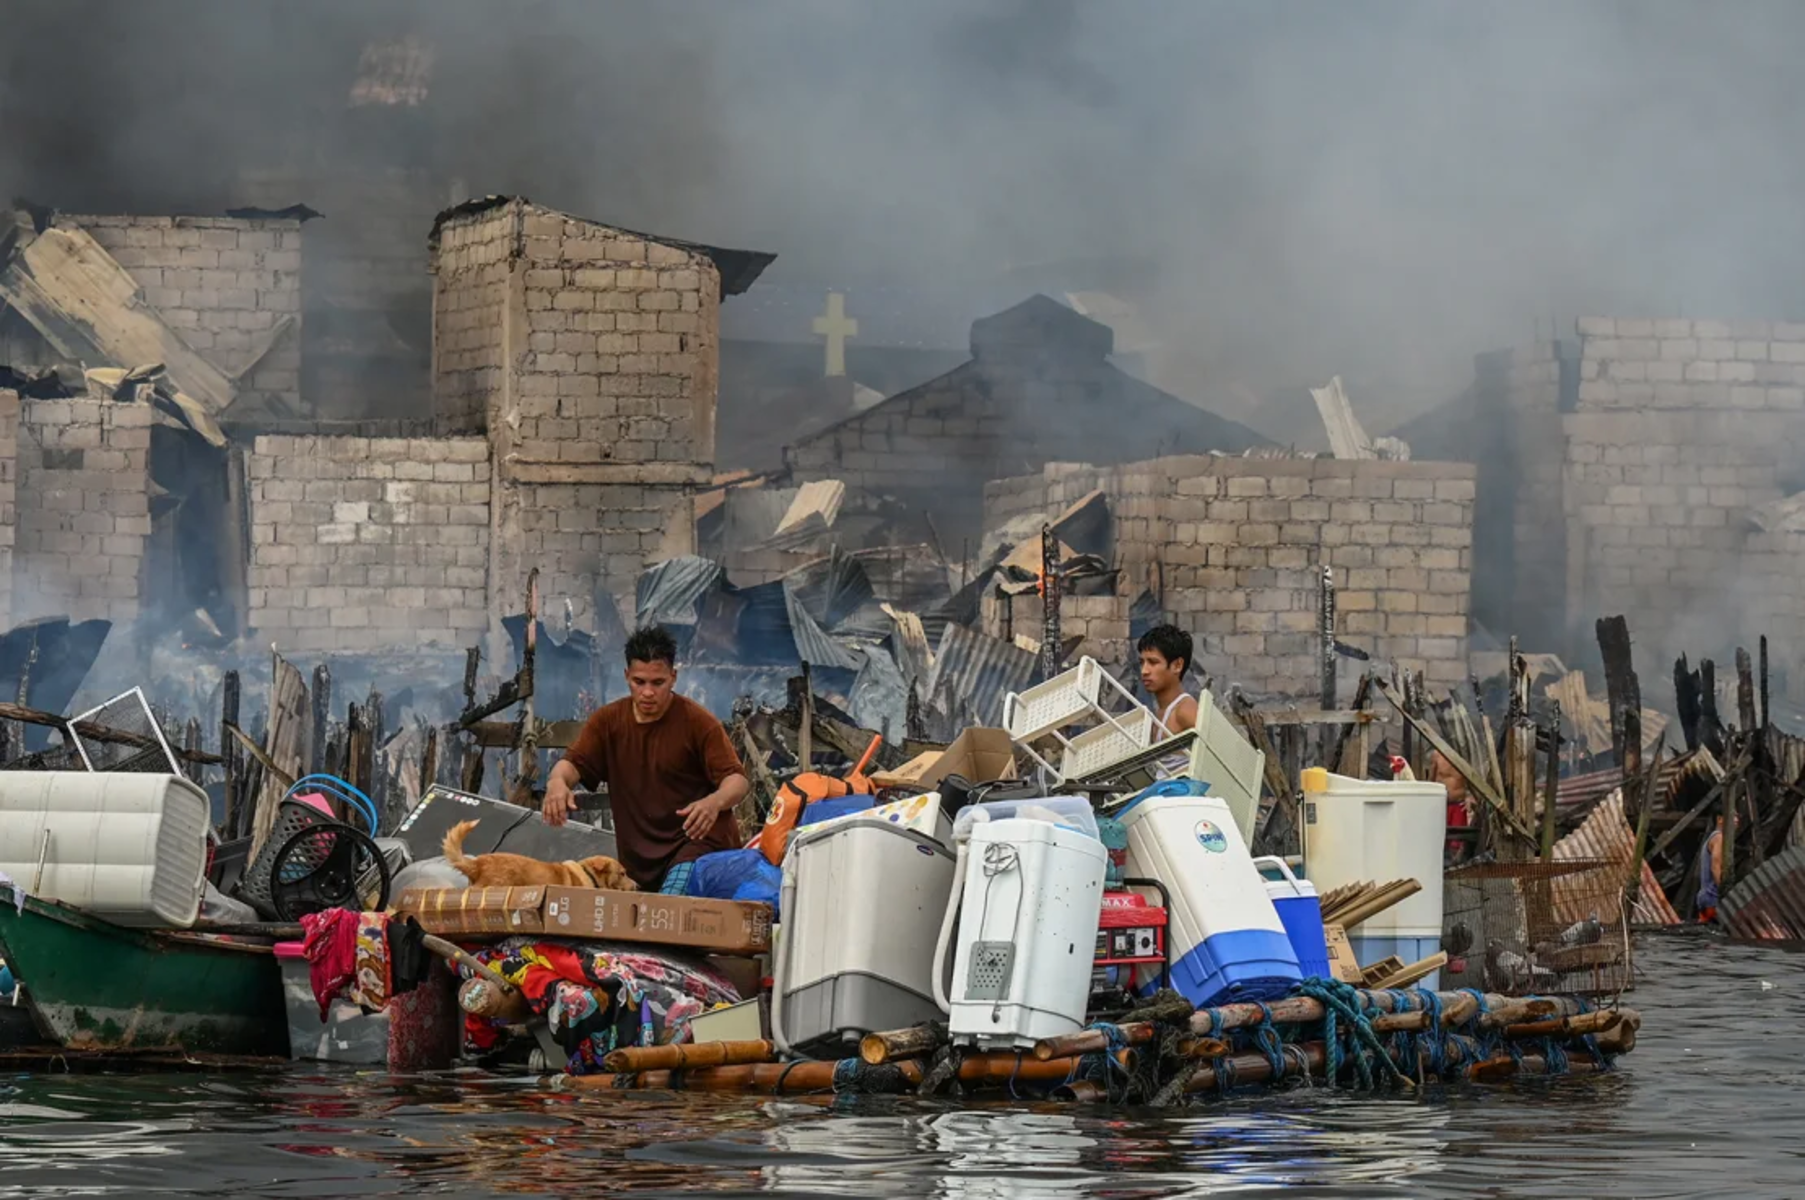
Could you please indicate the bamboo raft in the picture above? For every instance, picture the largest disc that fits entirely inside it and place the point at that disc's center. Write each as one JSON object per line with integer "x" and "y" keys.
{"x": 1169, "y": 1053}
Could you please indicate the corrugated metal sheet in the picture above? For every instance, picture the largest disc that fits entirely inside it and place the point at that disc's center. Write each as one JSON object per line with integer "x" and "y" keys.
{"x": 819, "y": 500}
{"x": 1770, "y": 900}
{"x": 880, "y": 696}
{"x": 1677, "y": 774}
{"x": 667, "y": 593}
{"x": 813, "y": 645}
{"x": 977, "y": 671}
{"x": 1606, "y": 836}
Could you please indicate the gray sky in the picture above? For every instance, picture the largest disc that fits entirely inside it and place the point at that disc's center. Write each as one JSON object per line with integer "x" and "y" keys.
{"x": 1376, "y": 188}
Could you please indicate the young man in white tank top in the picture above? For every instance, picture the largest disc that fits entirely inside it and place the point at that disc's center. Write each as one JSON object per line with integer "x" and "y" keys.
{"x": 1165, "y": 652}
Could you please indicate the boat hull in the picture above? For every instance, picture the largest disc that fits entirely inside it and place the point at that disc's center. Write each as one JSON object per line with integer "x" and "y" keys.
{"x": 97, "y": 986}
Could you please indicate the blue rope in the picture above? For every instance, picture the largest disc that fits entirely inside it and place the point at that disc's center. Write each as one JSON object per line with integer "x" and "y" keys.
{"x": 1266, "y": 1039}
{"x": 1345, "y": 1014}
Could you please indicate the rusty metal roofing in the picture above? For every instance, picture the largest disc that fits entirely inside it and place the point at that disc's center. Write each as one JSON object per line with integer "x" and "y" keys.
{"x": 1769, "y": 902}
{"x": 1577, "y": 791}
{"x": 1606, "y": 836}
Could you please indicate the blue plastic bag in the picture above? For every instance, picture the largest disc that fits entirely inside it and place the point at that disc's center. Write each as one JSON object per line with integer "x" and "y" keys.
{"x": 736, "y": 875}
{"x": 835, "y": 806}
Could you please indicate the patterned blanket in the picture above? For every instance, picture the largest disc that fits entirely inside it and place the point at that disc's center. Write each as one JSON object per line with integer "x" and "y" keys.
{"x": 600, "y": 996}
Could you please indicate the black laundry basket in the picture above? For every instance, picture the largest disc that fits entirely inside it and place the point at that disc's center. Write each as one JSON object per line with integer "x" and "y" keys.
{"x": 319, "y": 843}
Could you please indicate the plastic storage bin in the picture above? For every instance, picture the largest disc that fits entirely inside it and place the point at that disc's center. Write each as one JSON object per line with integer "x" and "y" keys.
{"x": 1227, "y": 942}
{"x": 130, "y": 849}
{"x": 1300, "y": 911}
{"x": 348, "y": 1035}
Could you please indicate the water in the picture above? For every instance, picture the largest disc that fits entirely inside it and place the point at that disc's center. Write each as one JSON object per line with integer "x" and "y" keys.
{"x": 1711, "y": 1103}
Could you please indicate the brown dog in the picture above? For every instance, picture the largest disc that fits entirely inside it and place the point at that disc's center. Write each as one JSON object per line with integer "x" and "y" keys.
{"x": 517, "y": 870}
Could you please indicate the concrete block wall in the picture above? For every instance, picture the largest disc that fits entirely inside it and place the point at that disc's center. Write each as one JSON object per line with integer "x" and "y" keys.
{"x": 1681, "y": 427}
{"x": 222, "y": 284}
{"x": 1102, "y": 621}
{"x": 1233, "y": 547}
{"x": 369, "y": 543}
{"x": 9, "y": 512}
{"x": 592, "y": 357}
{"x": 83, "y": 509}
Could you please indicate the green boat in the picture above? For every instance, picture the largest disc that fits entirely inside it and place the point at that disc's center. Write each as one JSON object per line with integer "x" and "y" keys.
{"x": 96, "y": 986}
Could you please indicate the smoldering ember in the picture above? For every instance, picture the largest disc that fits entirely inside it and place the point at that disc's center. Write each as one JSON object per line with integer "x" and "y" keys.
{"x": 1479, "y": 693}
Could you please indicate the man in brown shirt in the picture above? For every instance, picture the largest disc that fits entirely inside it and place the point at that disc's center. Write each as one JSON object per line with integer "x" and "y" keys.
{"x": 673, "y": 778}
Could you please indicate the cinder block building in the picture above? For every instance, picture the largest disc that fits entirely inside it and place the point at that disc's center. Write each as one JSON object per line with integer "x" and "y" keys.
{"x": 573, "y": 391}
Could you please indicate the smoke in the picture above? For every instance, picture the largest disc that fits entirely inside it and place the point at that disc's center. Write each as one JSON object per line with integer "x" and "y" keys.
{"x": 1378, "y": 190}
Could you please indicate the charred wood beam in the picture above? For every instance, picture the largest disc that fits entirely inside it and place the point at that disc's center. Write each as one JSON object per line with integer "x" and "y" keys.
{"x": 1745, "y": 691}
{"x": 322, "y": 718}
{"x": 260, "y": 755}
{"x": 1688, "y": 703}
{"x": 1475, "y": 779}
{"x": 101, "y": 733}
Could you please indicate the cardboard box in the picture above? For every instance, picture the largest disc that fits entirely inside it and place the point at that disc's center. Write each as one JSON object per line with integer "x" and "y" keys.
{"x": 978, "y": 754}
{"x": 721, "y": 926}
{"x": 1342, "y": 964}
{"x": 456, "y": 912}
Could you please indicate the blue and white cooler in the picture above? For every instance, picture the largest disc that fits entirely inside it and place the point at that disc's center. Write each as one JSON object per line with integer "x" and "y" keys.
{"x": 1300, "y": 911}
{"x": 1225, "y": 937}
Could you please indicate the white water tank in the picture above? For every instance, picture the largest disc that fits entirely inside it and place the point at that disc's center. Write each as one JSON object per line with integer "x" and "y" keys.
{"x": 1032, "y": 896}
{"x": 1377, "y": 830}
{"x": 130, "y": 849}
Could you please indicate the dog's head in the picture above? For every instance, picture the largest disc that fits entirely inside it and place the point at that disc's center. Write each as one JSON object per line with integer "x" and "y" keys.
{"x": 609, "y": 874}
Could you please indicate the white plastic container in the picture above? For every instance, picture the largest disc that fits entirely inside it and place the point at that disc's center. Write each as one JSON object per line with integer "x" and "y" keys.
{"x": 1379, "y": 830}
{"x": 131, "y": 849}
{"x": 1224, "y": 935}
{"x": 863, "y": 902}
{"x": 1032, "y": 892}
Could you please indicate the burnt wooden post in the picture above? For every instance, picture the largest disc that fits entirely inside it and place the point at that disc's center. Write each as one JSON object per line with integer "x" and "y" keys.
{"x": 1745, "y": 691}
{"x": 1325, "y": 630}
{"x": 378, "y": 791}
{"x": 317, "y": 762}
{"x": 1621, "y": 690}
{"x": 230, "y": 754}
{"x": 429, "y": 761}
{"x": 1552, "y": 787}
{"x": 1049, "y": 603}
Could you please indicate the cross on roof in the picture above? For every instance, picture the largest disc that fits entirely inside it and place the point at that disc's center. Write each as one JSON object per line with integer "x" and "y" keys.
{"x": 836, "y": 327}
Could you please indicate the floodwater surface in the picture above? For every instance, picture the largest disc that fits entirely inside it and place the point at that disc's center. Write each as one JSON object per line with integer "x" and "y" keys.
{"x": 1711, "y": 1103}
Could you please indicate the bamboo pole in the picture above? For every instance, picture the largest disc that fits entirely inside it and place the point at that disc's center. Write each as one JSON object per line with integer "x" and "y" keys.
{"x": 787, "y": 1078}
{"x": 893, "y": 1044}
{"x": 1091, "y": 1041}
{"x": 685, "y": 1056}
{"x": 1456, "y": 1010}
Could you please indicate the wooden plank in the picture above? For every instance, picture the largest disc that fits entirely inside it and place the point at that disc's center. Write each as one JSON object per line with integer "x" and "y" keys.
{"x": 1323, "y": 716}
{"x": 284, "y": 753}
{"x": 89, "y": 309}
{"x": 1473, "y": 777}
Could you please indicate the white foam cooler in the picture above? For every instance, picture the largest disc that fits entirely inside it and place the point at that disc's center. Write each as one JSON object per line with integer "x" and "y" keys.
{"x": 1378, "y": 830}
{"x": 1224, "y": 935}
{"x": 131, "y": 849}
{"x": 862, "y": 908}
{"x": 1028, "y": 916}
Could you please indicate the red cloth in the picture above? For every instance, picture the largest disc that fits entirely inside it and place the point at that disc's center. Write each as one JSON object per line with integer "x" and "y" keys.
{"x": 331, "y": 950}
{"x": 1457, "y": 819}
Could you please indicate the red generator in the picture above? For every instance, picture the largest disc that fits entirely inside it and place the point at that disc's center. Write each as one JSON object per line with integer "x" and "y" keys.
{"x": 1130, "y": 933}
